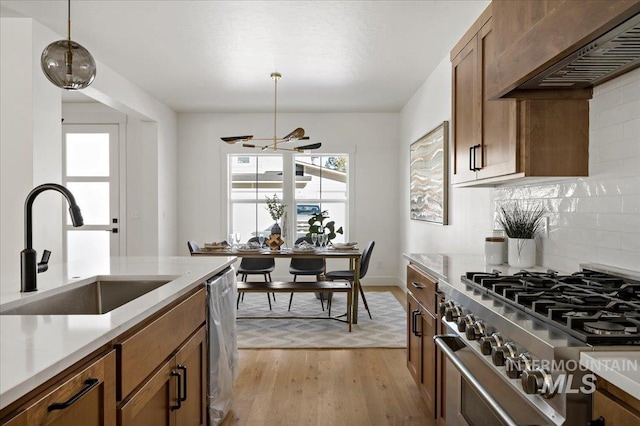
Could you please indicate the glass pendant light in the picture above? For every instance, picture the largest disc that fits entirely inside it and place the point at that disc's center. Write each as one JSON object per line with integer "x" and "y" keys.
{"x": 67, "y": 64}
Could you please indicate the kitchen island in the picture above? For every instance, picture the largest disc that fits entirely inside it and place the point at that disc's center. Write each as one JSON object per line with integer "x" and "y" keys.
{"x": 37, "y": 348}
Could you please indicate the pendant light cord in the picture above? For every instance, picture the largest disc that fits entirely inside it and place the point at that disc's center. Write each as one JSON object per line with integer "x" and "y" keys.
{"x": 275, "y": 114}
{"x": 69, "y": 20}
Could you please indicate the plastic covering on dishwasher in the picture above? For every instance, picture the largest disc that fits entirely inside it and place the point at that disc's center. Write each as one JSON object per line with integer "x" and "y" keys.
{"x": 222, "y": 344}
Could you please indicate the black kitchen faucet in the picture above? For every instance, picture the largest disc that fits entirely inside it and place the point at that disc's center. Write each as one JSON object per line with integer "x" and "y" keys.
{"x": 29, "y": 266}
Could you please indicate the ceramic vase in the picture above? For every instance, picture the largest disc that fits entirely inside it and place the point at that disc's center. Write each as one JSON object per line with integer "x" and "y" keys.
{"x": 522, "y": 252}
{"x": 275, "y": 229}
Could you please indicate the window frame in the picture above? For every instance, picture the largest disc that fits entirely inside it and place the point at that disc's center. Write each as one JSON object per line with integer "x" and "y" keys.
{"x": 288, "y": 193}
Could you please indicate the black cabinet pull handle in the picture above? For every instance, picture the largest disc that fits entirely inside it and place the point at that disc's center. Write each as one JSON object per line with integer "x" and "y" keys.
{"x": 472, "y": 158}
{"x": 414, "y": 321}
{"x": 184, "y": 383}
{"x": 475, "y": 167}
{"x": 417, "y": 285}
{"x": 597, "y": 422}
{"x": 177, "y": 374}
{"x": 88, "y": 385}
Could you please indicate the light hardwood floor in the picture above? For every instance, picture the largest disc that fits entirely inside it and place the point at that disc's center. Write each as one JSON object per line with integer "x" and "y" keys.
{"x": 327, "y": 386}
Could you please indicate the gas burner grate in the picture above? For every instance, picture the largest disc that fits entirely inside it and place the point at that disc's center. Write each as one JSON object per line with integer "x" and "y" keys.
{"x": 569, "y": 301}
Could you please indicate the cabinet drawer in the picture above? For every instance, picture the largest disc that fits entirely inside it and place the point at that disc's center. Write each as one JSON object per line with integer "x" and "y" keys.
{"x": 88, "y": 398}
{"x": 143, "y": 352}
{"x": 423, "y": 288}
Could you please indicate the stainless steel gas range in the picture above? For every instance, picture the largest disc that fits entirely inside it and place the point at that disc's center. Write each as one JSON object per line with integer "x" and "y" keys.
{"x": 514, "y": 339}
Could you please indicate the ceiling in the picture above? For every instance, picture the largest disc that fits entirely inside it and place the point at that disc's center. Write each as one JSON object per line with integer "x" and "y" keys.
{"x": 216, "y": 56}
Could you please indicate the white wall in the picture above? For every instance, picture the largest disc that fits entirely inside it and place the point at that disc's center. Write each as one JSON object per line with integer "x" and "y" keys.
{"x": 16, "y": 129}
{"x": 30, "y": 148}
{"x": 29, "y": 143}
{"x": 596, "y": 219}
{"x": 372, "y": 137}
{"x": 469, "y": 208}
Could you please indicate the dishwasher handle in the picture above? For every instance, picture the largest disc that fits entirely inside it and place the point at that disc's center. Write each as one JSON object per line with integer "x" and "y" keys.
{"x": 449, "y": 344}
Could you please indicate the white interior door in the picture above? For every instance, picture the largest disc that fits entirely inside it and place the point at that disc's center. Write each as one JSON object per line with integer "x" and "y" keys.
{"x": 90, "y": 171}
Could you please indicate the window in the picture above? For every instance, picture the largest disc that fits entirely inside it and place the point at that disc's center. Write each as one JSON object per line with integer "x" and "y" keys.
{"x": 307, "y": 184}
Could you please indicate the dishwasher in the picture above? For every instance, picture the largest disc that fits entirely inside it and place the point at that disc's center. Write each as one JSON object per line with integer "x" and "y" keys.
{"x": 222, "y": 344}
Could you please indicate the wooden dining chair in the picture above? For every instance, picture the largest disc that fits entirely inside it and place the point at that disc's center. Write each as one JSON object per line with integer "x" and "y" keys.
{"x": 256, "y": 266}
{"x": 349, "y": 275}
{"x": 302, "y": 266}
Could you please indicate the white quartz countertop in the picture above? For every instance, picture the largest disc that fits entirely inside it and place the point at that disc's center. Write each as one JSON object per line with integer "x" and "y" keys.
{"x": 621, "y": 369}
{"x": 34, "y": 348}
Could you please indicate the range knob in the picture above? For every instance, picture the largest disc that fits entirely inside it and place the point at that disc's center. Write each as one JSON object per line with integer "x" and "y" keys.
{"x": 500, "y": 354}
{"x": 538, "y": 381}
{"x": 488, "y": 342}
{"x": 476, "y": 330}
{"x": 452, "y": 314}
{"x": 514, "y": 366}
{"x": 445, "y": 305}
{"x": 466, "y": 321}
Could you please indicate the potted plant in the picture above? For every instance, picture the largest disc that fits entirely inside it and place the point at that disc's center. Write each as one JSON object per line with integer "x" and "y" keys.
{"x": 317, "y": 226}
{"x": 521, "y": 224}
{"x": 276, "y": 210}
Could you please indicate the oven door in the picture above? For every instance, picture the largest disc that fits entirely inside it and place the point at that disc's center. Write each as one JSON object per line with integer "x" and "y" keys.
{"x": 477, "y": 395}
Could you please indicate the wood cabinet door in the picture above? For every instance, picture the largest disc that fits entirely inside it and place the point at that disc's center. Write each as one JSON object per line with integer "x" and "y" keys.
{"x": 498, "y": 153}
{"x": 466, "y": 112}
{"x": 191, "y": 360}
{"x": 88, "y": 398}
{"x": 613, "y": 411}
{"x": 414, "y": 341}
{"x": 154, "y": 403}
{"x": 428, "y": 379}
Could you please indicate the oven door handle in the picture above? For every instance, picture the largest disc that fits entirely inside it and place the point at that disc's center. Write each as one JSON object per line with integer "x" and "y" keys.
{"x": 449, "y": 344}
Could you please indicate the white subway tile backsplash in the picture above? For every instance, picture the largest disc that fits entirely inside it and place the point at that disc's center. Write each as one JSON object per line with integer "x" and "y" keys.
{"x": 630, "y": 241}
{"x": 606, "y": 169}
{"x": 597, "y": 218}
{"x": 607, "y": 101}
{"x": 631, "y": 91}
{"x": 619, "y": 186}
{"x": 631, "y": 204}
{"x": 631, "y": 130}
{"x": 599, "y": 205}
{"x": 622, "y": 258}
{"x": 619, "y": 114}
{"x": 618, "y": 150}
{"x": 607, "y": 135}
{"x": 619, "y": 222}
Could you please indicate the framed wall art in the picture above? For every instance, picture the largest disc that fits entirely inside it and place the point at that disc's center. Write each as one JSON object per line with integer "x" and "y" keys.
{"x": 429, "y": 159}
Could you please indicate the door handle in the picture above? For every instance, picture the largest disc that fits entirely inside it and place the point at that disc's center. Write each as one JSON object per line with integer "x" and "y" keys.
{"x": 177, "y": 374}
{"x": 88, "y": 385}
{"x": 472, "y": 158}
{"x": 184, "y": 383}
{"x": 475, "y": 167}
{"x": 414, "y": 323}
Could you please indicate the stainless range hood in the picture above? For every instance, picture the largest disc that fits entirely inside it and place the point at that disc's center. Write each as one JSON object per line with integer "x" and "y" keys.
{"x": 610, "y": 55}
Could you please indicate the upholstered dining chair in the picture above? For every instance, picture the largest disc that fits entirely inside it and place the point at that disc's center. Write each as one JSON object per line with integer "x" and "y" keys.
{"x": 257, "y": 266}
{"x": 349, "y": 275}
{"x": 302, "y": 266}
{"x": 193, "y": 246}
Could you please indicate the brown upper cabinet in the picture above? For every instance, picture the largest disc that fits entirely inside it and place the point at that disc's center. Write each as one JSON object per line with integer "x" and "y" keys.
{"x": 533, "y": 35}
{"x": 496, "y": 140}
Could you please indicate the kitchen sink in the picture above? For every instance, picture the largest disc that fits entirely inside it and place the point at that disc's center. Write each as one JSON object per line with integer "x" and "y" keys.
{"x": 94, "y": 298}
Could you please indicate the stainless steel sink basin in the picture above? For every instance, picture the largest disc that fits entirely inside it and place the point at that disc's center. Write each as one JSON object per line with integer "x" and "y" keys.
{"x": 97, "y": 297}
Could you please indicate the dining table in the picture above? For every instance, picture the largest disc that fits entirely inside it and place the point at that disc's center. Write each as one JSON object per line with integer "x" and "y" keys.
{"x": 354, "y": 256}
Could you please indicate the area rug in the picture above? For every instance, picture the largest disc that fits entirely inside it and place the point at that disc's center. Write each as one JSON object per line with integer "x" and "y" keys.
{"x": 387, "y": 329}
